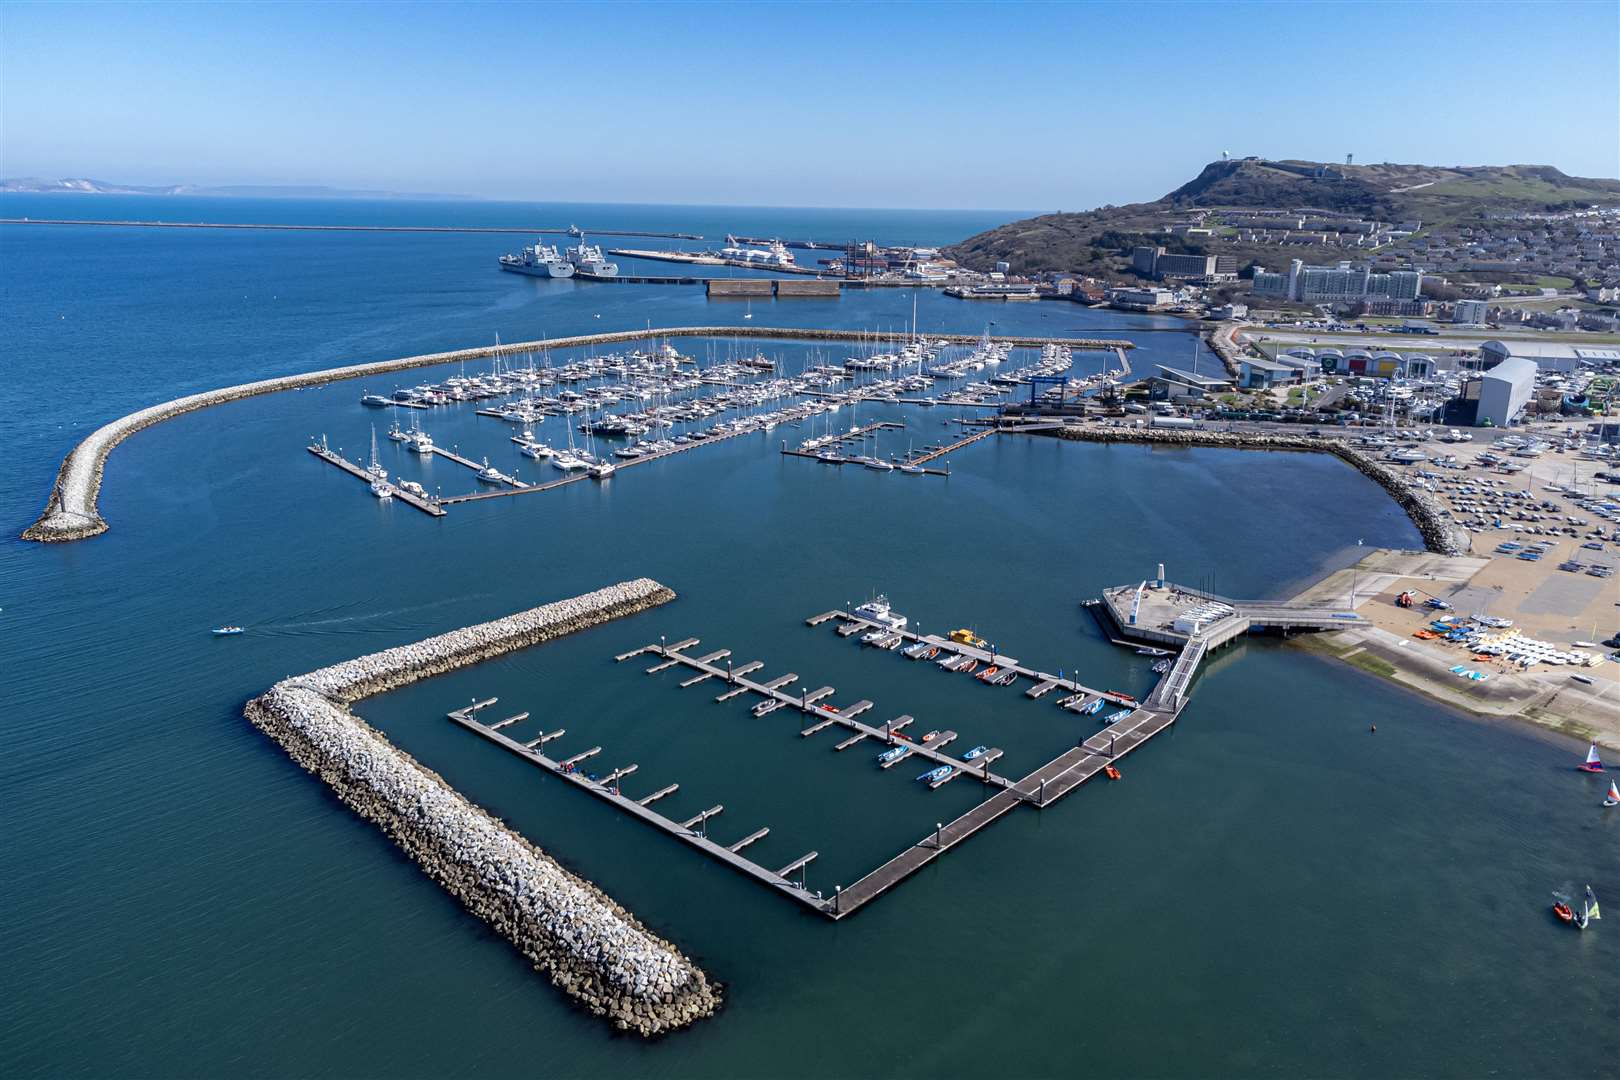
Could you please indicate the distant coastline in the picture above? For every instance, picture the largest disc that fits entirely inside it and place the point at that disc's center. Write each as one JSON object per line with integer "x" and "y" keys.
{"x": 33, "y": 185}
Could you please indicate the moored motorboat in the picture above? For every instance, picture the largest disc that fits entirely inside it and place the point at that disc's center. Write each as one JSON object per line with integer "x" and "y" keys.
{"x": 975, "y": 753}
{"x": 937, "y": 775}
{"x": 893, "y": 754}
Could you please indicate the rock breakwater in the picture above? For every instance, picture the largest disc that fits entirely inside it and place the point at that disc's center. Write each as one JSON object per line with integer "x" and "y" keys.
{"x": 589, "y": 946}
{"x": 1427, "y": 513}
{"x": 72, "y": 512}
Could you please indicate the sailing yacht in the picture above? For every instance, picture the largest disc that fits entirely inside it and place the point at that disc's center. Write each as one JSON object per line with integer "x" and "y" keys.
{"x": 1593, "y": 763}
{"x": 1613, "y": 797}
{"x": 375, "y": 469}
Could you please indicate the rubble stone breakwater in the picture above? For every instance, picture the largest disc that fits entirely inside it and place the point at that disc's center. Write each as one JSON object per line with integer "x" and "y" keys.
{"x": 1426, "y": 512}
{"x": 589, "y": 946}
{"x": 72, "y": 513}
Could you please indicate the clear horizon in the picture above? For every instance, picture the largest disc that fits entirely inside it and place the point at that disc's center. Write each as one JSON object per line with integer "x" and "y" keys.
{"x": 904, "y": 106}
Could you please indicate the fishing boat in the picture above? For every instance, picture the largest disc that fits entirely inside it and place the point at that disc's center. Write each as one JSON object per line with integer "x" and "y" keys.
{"x": 975, "y": 753}
{"x": 936, "y": 776}
{"x": 894, "y": 754}
{"x": 877, "y": 610}
{"x": 227, "y": 631}
{"x": 1593, "y": 763}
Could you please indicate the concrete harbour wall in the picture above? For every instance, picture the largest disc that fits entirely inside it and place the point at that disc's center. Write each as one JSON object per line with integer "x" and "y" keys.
{"x": 589, "y": 946}
{"x": 1439, "y": 534}
{"x": 72, "y": 513}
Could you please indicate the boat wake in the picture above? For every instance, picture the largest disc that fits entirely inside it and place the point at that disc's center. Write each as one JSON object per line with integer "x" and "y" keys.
{"x": 343, "y": 619}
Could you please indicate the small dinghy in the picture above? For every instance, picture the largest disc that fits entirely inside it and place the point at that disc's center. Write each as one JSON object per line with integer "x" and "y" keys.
{"x": 226, "y": 631}
{"x": 1613, "y": 797}
{"x": 1593, "y": 763}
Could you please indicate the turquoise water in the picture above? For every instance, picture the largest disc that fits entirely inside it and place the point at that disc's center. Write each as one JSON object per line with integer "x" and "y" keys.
{"x": 1272, "y": 890}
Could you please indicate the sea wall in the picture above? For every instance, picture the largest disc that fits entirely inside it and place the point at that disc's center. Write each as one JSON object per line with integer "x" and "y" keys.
{"x": 1427, "y": 513}
{"x": 72, "y": 511}
{"x": 589, "y": 946}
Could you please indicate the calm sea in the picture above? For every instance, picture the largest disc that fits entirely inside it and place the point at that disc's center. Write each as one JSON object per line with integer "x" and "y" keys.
{"x": 1271, "y": 890}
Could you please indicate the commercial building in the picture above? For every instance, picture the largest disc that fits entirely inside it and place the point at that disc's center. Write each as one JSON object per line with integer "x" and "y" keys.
{"x": 1559, "y": 356}
{"x": 1470, "y": 311}
{"x": 1257, "y": 374}
{"x": 1504, "y": 390}
{"x": 1141, "y": 299}
{"x": 1172, "y": 384}
{"x": 1157, "y": 263}
{"x": 1335, "y": 284}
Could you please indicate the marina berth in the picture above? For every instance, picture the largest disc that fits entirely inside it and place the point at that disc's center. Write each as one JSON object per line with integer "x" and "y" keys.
{"x": 71, "y": 511}
{"x": 590, "y": 947}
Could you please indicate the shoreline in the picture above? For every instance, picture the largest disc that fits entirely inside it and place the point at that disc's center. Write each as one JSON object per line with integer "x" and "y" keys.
{"x": 1439, "y": 535}
{"x": 72, "y": 510}
{"x": 590, "y": 947}
{"x": 1545, "y": 703}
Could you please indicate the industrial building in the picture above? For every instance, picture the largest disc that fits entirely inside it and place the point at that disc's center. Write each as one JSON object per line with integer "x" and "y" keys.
{"x": 1504, "y": 390}
{"x": 1559, "y": 356}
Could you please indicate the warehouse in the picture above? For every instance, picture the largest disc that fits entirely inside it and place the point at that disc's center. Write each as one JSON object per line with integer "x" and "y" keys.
{"x": 1504, "y": 390}
{"x": 1560, "y": 356}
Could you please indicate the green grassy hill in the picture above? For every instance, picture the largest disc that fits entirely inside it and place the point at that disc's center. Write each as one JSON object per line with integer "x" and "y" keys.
{"x": 1098, "y": 241}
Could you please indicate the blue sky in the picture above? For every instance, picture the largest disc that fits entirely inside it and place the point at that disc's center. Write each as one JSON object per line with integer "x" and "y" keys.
{"x": 1018, "y": 105}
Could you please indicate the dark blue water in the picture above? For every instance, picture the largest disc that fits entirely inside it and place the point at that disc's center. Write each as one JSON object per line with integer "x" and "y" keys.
{"x": 1271, "y": 890}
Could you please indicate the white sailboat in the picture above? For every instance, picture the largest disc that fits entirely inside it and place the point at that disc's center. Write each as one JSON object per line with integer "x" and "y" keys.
{"x": 1589, "y": 910}
{"x": 375, "y": 469}
{"x": 1613, "y": 797}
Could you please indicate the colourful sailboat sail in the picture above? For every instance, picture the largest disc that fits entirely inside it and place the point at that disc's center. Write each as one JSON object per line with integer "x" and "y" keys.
{"x": 1593, "y": 763}
{"x": 1592, "y": 911}
{"x": 1613, "y": 798}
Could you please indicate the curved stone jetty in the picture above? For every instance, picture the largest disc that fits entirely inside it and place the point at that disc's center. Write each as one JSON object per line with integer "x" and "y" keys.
{"x": 589, "y": 946}
{"x": 71, "y": 512}
{"x": 1427, "y": 513}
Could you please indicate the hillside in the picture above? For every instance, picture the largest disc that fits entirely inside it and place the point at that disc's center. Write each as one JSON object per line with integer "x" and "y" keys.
{"x": 1094, "y": 241}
